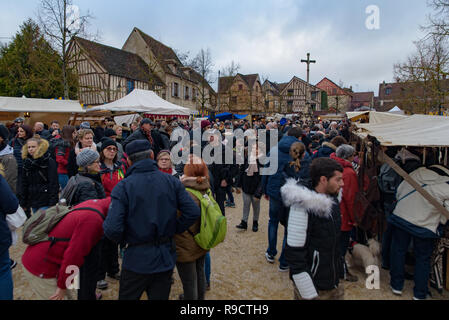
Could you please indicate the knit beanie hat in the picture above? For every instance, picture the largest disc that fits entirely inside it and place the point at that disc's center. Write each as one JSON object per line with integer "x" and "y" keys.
{"x": 106, "y": 142}
{"x": 109, "y": 132}
{"x": 86, "y": 157}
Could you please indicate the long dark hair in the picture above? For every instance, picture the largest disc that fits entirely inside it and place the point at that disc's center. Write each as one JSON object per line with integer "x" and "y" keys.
{"x": 28, "y": 131}
{"x": 67, "y": 134}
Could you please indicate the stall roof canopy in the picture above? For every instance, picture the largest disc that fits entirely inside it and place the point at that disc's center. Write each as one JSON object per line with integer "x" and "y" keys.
{"x": 10, "y": 104}
{"x": 375, "y": 117}
{"x": 143, "y": 101}
{"x": 416, "y": 130}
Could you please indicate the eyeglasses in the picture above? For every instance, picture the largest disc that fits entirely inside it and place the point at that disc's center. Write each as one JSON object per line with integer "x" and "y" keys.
{"x": 164, "y": 159}
{"x": 111, "y": 149}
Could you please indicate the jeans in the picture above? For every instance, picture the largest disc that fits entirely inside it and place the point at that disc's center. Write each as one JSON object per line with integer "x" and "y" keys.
{"x": 193, "y": 279}
{"x": 387, "y": 237}
{"x": 273, "y": 223}
{"x": 423, "y": 251}
{"x": 6, "y": 284}
{"x": 249, "y": 199}
{"x": 229, "y": 194}
{"x": 156, "y": 285}
{"x": 63, "y": 179}
{"x": 207, "y": 267}
{"x": 220, "y": 197}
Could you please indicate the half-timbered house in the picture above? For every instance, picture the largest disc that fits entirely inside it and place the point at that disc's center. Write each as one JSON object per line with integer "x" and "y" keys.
{"x": 106, "y": 74}
{"x": 300, "y": 97}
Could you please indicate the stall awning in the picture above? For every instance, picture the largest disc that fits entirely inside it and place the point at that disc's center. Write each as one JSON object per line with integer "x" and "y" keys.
{"x": 416, "y": 130}
{"x": 12, "y": 104}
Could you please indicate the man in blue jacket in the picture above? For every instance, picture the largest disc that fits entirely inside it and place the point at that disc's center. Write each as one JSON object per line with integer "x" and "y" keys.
{"x": 8, "y": 205}
{"x": 143, "y": 215}
{"x": 271, "y": 187}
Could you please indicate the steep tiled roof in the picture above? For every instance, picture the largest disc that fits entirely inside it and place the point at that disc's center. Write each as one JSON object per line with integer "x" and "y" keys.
{"x": 362, "y": 96}
{"x": 118, "y": 62}
{"x": 224, "y": 83}
{"x": 250, "y": 78}
{"x": 160, "y": 50}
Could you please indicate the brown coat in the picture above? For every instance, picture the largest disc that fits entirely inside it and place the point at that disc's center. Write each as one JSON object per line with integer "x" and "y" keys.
{"x": 187, "y": 250}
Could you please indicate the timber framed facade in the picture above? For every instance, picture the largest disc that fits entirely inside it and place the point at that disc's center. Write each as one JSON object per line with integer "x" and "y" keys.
{"x": 297, "y": 96}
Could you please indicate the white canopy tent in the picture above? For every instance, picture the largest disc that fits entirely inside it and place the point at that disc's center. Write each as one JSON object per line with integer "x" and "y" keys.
{"x": 396, "y": 110}
{"x": 416, "y": 130}
{"x": 375, "y": 117}
{"x": 144, "y": 101}
{"x": 10, "y": 104}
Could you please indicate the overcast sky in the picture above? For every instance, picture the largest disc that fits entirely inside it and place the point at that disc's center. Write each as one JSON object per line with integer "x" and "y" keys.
{"x": 268, "y": 37}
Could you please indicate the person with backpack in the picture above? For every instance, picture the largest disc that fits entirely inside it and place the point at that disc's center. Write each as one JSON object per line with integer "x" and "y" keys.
{"x": 8, "y": 205}
{"x": 389, "y": 180}
{"x": 7, "y": 159}
{"x": 190, "y": 257}
{"x": 40, "y": 186}
{"x": 143, "y": 216}
{"x": 48, "y": 264}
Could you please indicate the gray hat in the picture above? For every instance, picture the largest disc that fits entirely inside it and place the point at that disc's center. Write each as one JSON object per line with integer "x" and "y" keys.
{"x": 85, "y": 125}
{"x": 86, "y": 157}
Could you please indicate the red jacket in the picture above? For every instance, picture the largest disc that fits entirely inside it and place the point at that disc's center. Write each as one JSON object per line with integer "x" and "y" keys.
{"x": 84, "y": 228}
{"x": 350, "y": 189}
{"x": 62, "y": 152}
{"x": 110, "y": 178}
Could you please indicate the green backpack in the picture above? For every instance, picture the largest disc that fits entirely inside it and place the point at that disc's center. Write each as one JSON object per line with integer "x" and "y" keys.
{"x": 40, "y": 224}
{"x": 213, "y": 224}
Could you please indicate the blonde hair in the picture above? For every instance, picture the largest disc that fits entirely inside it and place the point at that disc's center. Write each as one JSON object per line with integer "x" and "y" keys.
{"x": 82, "y": 133}
{"x": 297, "y": 150}
{"x": 2, "y": 170}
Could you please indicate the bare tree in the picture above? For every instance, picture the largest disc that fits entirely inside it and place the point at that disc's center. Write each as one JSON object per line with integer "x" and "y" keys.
{"x": 438, "y": 21}
{"x": 230, "y": 70}
{"x": 60, "y": 20}
{"x": 202, "y": 64}
{"x": 423, "y": 75}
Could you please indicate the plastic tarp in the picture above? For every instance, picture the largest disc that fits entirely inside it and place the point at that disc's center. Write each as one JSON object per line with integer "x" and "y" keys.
{"x": 10, "y": 104}
{"x": 229, "y": 116}
{"x": 416, "y": 130}
{"x": 144, "y": 101}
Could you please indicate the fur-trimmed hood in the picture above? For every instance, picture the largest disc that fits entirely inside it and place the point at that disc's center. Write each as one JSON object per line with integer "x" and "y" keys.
{"x": 330, "y": 145}
{"x": 40, "y": 152}
{"x": 315, "y": 203}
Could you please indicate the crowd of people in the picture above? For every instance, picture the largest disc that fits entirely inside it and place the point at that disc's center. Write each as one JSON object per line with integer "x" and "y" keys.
{"x": 132, "y": 202}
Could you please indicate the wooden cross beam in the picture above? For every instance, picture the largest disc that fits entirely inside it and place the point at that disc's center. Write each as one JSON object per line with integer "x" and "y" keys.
{"x": 308, "y": 61}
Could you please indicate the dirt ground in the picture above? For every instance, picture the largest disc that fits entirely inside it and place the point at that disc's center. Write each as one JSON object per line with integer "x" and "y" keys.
{"x": 240, "y": 271}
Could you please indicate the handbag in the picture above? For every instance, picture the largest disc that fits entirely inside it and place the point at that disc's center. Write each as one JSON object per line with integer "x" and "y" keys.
{"x": 16, "y": 220}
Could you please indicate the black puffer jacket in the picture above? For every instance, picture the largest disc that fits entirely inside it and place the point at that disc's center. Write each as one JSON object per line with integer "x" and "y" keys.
{"x": 250, "y": 184}
{"x": 40, "y": 184}
{"x": 88, "y": 190}
{"x": 313, "y": 239}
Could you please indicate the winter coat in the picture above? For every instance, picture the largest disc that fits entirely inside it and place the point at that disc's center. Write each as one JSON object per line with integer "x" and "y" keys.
{"x": 8, "y": 205}
{"x": 187, "y": 250}
{"x": 44, "y": 134}
{"x": 165, "y": 137}
{"x": 325, "y": 150}
{"x": 40, "y": 186}
{"x": 350, "y": 189}
{"x": 139, "y": 134}
{"x": 272, "y": 184}
{"x": 17, "y": 144}
{"x": 9, "y": 163}
{"x": 62, "y": 150}
{"x": 110, "y": 178}
{"x": 250, "y": 184}
{"x": 221, "y": 171}
{"x": 313, "y": 239}
{"x": 88, "y": 190}
{"x": 413, "y": 213}
{"x": 143, "y": 214}
{"x": 84, "y": 228}
{"x": 120, "y": 151}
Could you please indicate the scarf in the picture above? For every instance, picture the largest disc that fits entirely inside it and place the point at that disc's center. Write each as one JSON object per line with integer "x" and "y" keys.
{"x": 168, "y": 171}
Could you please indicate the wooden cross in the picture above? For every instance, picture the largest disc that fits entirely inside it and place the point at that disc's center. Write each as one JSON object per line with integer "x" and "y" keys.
{"x": 308, "y": 61}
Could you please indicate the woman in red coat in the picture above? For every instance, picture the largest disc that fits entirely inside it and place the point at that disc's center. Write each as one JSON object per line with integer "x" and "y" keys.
{"x": 344, "y": 156}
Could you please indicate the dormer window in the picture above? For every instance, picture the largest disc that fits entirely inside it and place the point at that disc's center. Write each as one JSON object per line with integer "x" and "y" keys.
{"x": 388, "y": 91}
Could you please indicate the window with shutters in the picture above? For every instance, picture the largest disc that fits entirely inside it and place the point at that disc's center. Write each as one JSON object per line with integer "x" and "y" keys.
{"x": 175, "y": 90}
{"x": 129, "y": 86}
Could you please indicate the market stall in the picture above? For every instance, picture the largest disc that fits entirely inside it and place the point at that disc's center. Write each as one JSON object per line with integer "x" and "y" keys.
{"x": 145, "y": 102}
{"x": 43, "y": 110}
{"x": 428, "y": 134}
